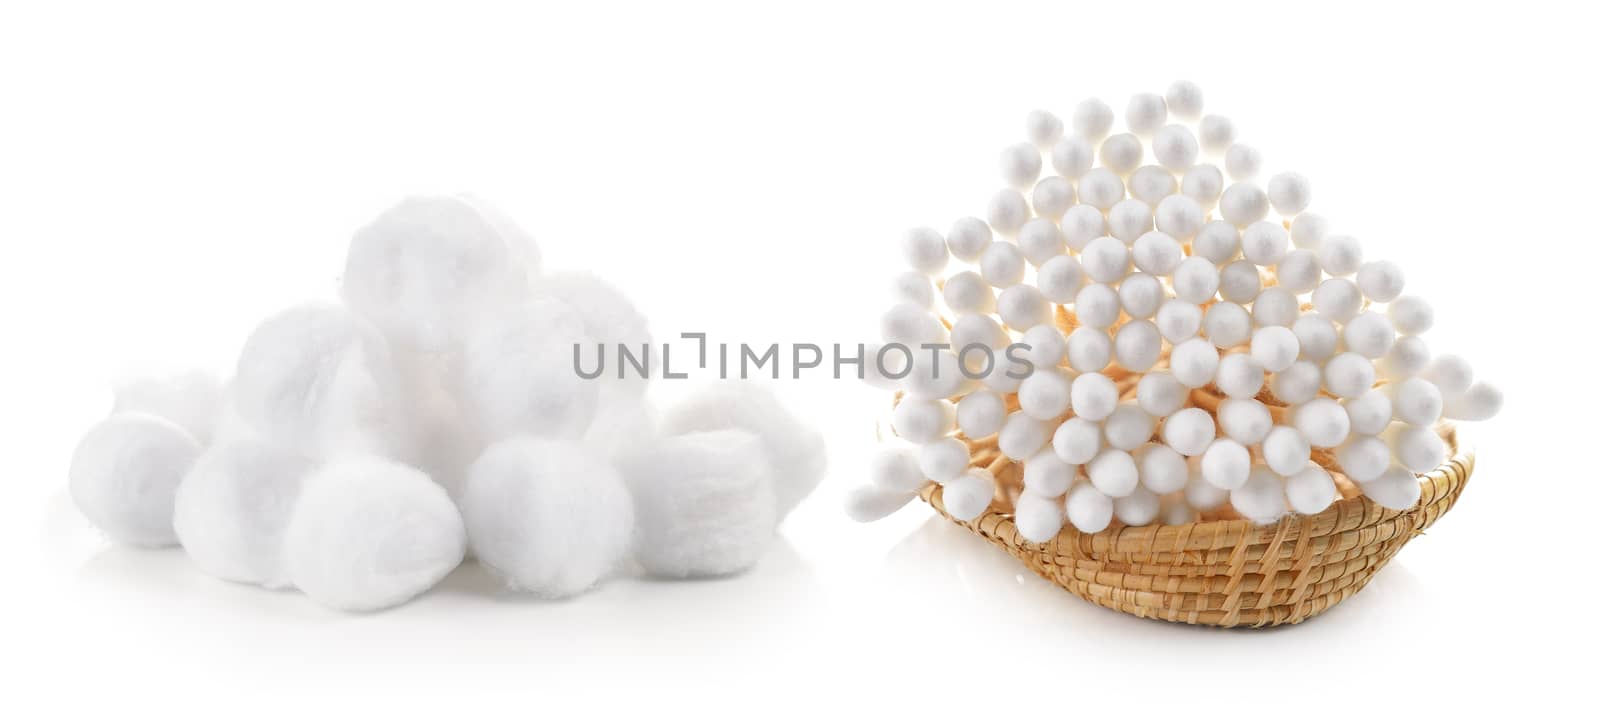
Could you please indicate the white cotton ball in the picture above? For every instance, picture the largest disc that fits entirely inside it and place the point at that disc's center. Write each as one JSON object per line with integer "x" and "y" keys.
{"x": 1161, "y": 469}
{"x": 1022, "y": 307}
{"x": 1195, "y": 362}
{"x": 980, "y": 414}
{"x": 1175, "y": 147}
{"x": 1175, "y": 511}
{"x": 1052, "y": 196}
{"x": 895, "y": 469}
{"x": 1289, "y": 192}
{"x": 1195, "y": 280}
{"x": 1261, "y": 498}
{"x": 1128, "y": 427}
{"x": 1216, "y": 133}
{"x": 1364, "y": 458}
{"x": 912, "y": 288}
{"x": 1047, "y": 475}
{"x": 944, "y": 459}
{"x": 1002, "y": 264}
{"x": 1081, "y": 224}
{"x": 1275, "y": 306}
{"x": 423, "y": 269}
{"x": 1217, "y": 241}
{"x": 1100, "y": 188}
{"x": 1060, "y": 278}
{"x": 1179, "y": 216}
{"x": 1202, "y": 495}
{"x": 1338, "y": 299}
{"x": 1226, "y": 324}
{"x": 1274, "y": 348}
{"x": 1046, "y": 394}
{"x": 233, "y": 507}
{"x": 1022, "y": 436}
{"x": 125, "y": 475}
{"x": 608, "y": 316}
{"x": 1451, "y": 373}
{"x": 1323, "y": 422}
{"x": 1418, "y": 447}
{"x": 1298, "y": 383}
{"x": 1138, "y": 345}
{"x": 1094, "y": 396}
{"x": 1408, "y": 356}
{"x": 1381, "y": 281}
{"x": 1072, "y": 157}
{"x": 1369, "y": 412}
{"x": 1138, "y": 508}
{"x": 1019, "y": 165}
{"x": 1119, "y": 155}
{"x": 1178, "y": 320}
{"x": 1091, "y": 119}
{"x": 1298, "y": 271}
{"x": 967, "y": 497}
{"x": 923, "y": 420}
{"x": 1286, "y": 450}
{"x": 1039, "y": 519}
{"x": 1245, "y": 420}
{"x": 367, "y": 534}
{"x": 1340, "y": 255}
{"x": 1264, "y": 243}
{"x": 192, "y": 399}
{"x": 924, "y": 250}
{"x": 1160, "y": 393}
{"x": 1043, "y": 128}
{"x": 1417, "y": 401}
{"x": 545, "y": 518}
{"x": 1146, "y": 112}
{"x": 1008, "y": 210}
{"x": 968, "y": 238}
{"x": 1151, "y": 184}
{"x": 1240, "y": 376}
{"x": 1040, "y": 240}
{"x": 964, "y": 293}
{"x": 1318, "y": 337}
{"x": 1411, "y": 315}
{"x": 1240, "y": 282}
{"x": 703, "y": 503}
{"x": 1157, "y": 253}
{"x": 517, "y": 374}
{"x": 1242, "y": 161}
{"x": 1129, "y": 219}
{"x": 1312, "y": 491}
{"x": 1088, "y": 350}
{"x": 868, "y": 503}
{"x": 1348, "y": 375}
{"x": 1397, "y": 488}
{"x": 1047, "y": 346}
{"x": 1189, "y": 431}
{"x": 1203, "y": 184}
{"x": 1088, "y": 509}
{"x": 1106, "y": 259}
{"x": 1481, "y": 401}
{"x": 1226, "y": 464}
{"x": 1097, "y": 306}
{"x": 322, "y": 380}
{"x": 1308, "y": 230}
{"x": 1184, "y": 99}
{"x": 1077, "y": 441}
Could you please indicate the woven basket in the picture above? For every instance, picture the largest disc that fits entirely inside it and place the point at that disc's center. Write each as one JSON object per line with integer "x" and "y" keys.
{"x": 1225, "y": 572}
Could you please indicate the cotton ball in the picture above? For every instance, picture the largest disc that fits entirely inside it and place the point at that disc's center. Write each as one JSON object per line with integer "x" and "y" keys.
{"x": 1137, "y": 509}
{"x": 922, "y": 420}
{"x": 1369, "y": 412}
{"x": 1008, "y": 210}
{"x": 895, "y": 469}
{"x": 1274, "y": 347}
{"x": 1043, "y": 128}
{"x": 1189, "y": 431}
{"x": 1481, "y": 401}
{"x": 424, "y": 268}
{"x": 1052, "y": 196}
{"x": 1047, "y": 346}
{"x": 125, "y": 475}
{"x": 1381, "y": 281}
{"x": 1264, "y": 243}
{"x": 1146, "y": 113}
{"x": 1157, "y": 253}
{"x": 1194, "y": 362}
{"x": 1323, "y": 422}
{"x": 1240, "y": 376}
{"x": 1418, "y": 447}
{"x": 1240, "y": 282}
{"x": 868, "y": 503}
{"x": 703, "y": 503}
{"x": 1072, "y": 157}
{"x": 968, "y": 238}
{"x": 1411, "y": 315}
{"x": 1226, "y": 464}
{"x": 980, "y": 414}
{"x": 367, "y": 534}
{"x": 1121, "y": 154}
{"x": 1195, "y": 280}
{"x": 233, "y": 507}
{"x": 1340, "y": 255}
{"x": 1047, "y": 475}
{"x": 1338, "y": 299}
{"x": 1298, "y": 271}
{"x": 191, "y": 399}
{"x": 924, "y": 250}
{"x": 1318, "y": 337}
{"x": 1417, "y": 401}
{"x": 1138, "y": 345}
{"x": 544, "y": 517}
{"x": 1128, "y": 427}
{"x": 1151, "y": 184}
{"x": 1348, "y": 375}
{"x": 1289, "y": 192}
{"x": 1091, "y": 119}
{"x": 1046, "y": 394}
{"x": 1286, "y": 450}
{"x": 1175, "y": 147}
{"x": 1080, "y": 224}
{"x": 608, "y": 316}
{"x": 1363, "y": 459}
{"x": 1002, "y": 264}
{"x": 1094, "y": 396}
{"x": 1060, "y": 278}
{"x": 1039, "y": 519}
{"x": 1261, "y": 498}
{"x": 1022, "y": 436}
{"x": 1275, "y": 306}
{"x": 1077, "y": 441}
{"x": 1202, "y": 184}
{"x": 944, "y": 459}
{"x": 967, "y": 497}
{"x": 1179, "y": 216}
{"x": 1160, "y": 393}
{"x": 1097, "y": 306}
{"x": 517, "y": 377}
{"x": 1226, "y": 324}
{"x": 1216, "y": 133}
{"x": 1088, "y": 509}
{"x": 1245, "y": 420}
{"x": 1217, "y": 241}
{"x": 1161, "y": 469}
{"x": 1178, "y": 320}
{"x": 1202, "y": 495}
{"x": 1242, "y": 161}
{"x": 1451, "y": 373}
{"x": 1396, "y": 489}
{"x": 1129, "y": 219}
{"x": 1312, "y": 491}
{"x": 1100, "y": 187}
{"x": 1298, "y": 383}
{"x": 965, "y": 293}
{"x": 322, "y": 379}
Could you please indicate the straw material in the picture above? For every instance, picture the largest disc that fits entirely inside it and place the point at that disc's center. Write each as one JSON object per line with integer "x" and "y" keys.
{"x": 1225, "y": 572}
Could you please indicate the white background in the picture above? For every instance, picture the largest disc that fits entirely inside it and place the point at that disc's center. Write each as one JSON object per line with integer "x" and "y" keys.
{"x": 171, "y": 174}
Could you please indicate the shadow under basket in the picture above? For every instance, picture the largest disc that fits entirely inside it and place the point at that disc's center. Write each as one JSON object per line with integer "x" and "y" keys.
{"x": 1226, "y": 572}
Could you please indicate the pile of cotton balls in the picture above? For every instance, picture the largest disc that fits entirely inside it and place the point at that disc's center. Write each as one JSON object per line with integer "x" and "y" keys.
{"x": 1199, "y": 343}
{"x": 362, "y": 449}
